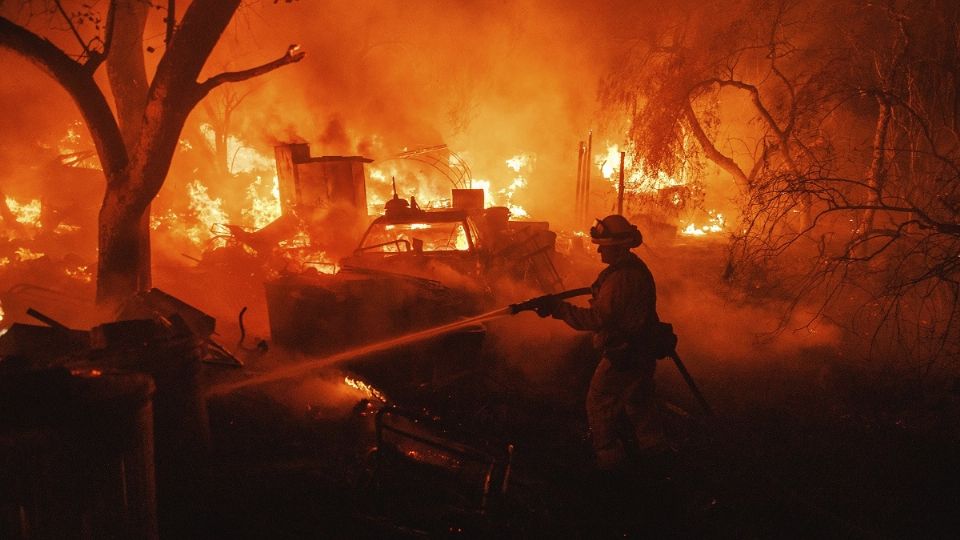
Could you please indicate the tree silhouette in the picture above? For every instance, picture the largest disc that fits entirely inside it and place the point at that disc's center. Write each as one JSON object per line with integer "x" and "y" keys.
{"x": 136, "y": 144}
{"x": 839, "y": 125}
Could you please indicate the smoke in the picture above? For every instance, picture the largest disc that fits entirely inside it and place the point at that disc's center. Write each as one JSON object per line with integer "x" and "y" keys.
{"x": 716, "y": 323}
{"x": 489, "y": 79}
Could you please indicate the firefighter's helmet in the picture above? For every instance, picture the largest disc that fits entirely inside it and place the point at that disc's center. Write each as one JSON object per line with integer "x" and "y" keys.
{"x": 615, "y": 230}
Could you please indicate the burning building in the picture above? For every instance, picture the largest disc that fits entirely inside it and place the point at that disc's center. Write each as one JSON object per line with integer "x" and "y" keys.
{"x": 792, "y": 166}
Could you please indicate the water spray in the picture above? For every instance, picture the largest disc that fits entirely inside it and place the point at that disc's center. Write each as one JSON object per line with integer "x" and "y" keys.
{"x": 406, "y": 339}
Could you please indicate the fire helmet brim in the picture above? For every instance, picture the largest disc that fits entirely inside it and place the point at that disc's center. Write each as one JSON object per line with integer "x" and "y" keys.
{"x": 631, "y": 241}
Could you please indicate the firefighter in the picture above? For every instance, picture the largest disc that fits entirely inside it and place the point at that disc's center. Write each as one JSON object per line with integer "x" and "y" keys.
{"x": 622, "y": 315}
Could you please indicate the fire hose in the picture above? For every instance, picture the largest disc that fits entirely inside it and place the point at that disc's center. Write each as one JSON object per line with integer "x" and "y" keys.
{"x": 535, "y": 303}
{"x": 421, "y": 335}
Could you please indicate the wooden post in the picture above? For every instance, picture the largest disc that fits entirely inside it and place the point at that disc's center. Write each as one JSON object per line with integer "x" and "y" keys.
{"x": 586, "y": 178}
{"x": 620, "y": 189}
{"x": 578, "y": 205}
{"x": 288, "y": 156}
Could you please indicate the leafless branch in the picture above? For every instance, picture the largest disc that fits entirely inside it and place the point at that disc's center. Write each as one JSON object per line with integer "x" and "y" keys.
{"x": 73, "y": 27}
{"x": 294, "y": 54}
{"x": 171, "y": 20}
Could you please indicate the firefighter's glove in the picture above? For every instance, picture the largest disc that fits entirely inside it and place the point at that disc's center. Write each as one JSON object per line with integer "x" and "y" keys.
{"x": 546, "y": 305}
{"x": 543, "y": 305}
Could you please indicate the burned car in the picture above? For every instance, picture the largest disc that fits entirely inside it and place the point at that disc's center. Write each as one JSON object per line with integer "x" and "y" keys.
{"x": 427, "y": 244}
{"x": 413, "y": 269}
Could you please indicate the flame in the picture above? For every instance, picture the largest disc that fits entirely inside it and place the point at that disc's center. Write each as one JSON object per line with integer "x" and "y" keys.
{"x": 412, "y": 226}
{"x": 637, "y": 178}
{"x": 242, "y": 158}
{"x": 84, "y": 372}
{"x": 608, "y": 163}
{"x": 375, "y": 201}
{"x": 429, "y": 195}
{"x": 300, "y": 251}
{"x": 71, "y": 139}
{"x": 2, "y": 314}
{"x": 299, "y": 240}
{"x": 714, "y": 224}
{"x": 323, "y": 266}
{"x": 63, "y": 228}
{"x": 504, "y": 196}
{"x": 209, "y": 212}
{"x": 26, "y": 254}
{"x": 73, "y": 147}
{"x": 27, "y": 213}
{"x": 369, "y": 391}
{"x": 80, "y": 273}
{"x": 462, "y": 243}
{"x": 263, "y": 209}
{"x": 517, "y": 162}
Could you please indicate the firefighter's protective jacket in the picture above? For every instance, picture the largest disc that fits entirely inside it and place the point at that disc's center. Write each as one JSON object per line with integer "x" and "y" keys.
{"x": 622, "y": 311}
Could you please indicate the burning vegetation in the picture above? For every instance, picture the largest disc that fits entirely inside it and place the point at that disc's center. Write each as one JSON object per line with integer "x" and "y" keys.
{"x": 371, "y": 199}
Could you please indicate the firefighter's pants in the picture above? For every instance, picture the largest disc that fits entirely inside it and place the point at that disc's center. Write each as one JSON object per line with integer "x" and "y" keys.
{"x": 615, "y": 395}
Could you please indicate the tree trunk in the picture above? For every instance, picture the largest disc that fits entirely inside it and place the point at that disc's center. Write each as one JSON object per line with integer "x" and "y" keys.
{"x": 121, "y": 245}
{"x": 135, "y": 146}
{"x": 876, "y": 174}
{"x": 128, "y": 82}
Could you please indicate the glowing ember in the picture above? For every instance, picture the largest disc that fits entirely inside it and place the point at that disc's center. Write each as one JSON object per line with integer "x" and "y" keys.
{"x": 71, "y": 138}
{"x": 322, "y": 265}
{"x": 412, "y": 226}
{"x": 299, "y": 240}
{"x": 394, "y": 238}
{"x": 80, "y": 273}
{"x": 2, "y": 331}
{"x": 64, "y": 228}
{"x": 83, "y": 372}
{"x": 369, "y": 391}
{"x": 27, "y": 213}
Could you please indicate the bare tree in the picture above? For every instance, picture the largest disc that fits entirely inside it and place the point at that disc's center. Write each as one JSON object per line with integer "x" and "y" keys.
{"x": 220, "y": 115}
{"x": 135, "y": 145}
{"x": 848, "y": 163}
